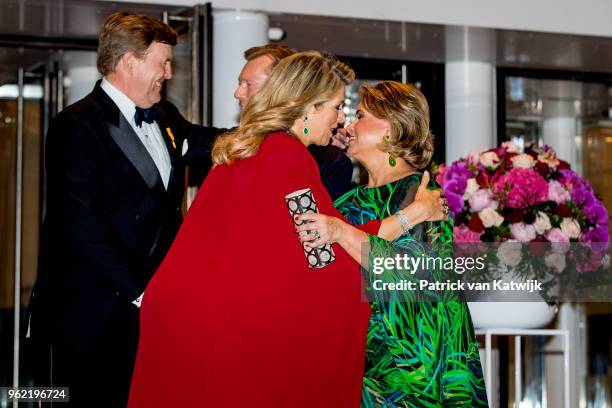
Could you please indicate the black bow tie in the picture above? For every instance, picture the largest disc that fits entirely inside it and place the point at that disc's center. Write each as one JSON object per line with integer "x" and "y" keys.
{"x": 144, "y": 115}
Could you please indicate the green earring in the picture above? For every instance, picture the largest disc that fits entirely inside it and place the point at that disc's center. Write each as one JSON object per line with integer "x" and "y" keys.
{"x": 392, "y": 161}
{"x": 305, "y": 130}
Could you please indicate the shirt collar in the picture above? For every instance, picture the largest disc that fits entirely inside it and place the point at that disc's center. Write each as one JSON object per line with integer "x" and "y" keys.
{"x": 123, "y": 102}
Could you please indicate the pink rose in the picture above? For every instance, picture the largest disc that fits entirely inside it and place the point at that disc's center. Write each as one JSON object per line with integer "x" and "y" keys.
{"x": 557, "y": 193}
{"x": 482, "y": 199}
{"x": 464, "y": 234}
{"x": 560, "y": 241}
{"x": 523, "y": 232}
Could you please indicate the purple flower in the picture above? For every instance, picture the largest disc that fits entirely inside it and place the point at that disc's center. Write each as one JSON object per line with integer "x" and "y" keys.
{"x": 455, "y": 202}
{"x": 456, "y": 185}
{"x": 571, "y": 180}
{"x": 583, "y": 196}
{"x": 597, "y": 214}
{"x": 599, "y": 234}
{"x": 457, "y": 171}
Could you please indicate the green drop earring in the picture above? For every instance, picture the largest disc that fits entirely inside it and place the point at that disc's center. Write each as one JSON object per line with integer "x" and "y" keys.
{"x": 305, "y": 130}
{"x": 392, "y": 161}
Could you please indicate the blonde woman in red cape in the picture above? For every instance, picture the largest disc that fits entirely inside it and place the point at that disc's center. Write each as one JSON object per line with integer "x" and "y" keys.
{"x": 235, "y": 317}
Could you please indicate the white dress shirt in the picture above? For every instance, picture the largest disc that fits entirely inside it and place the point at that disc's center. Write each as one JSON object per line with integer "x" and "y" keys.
{"x": 149, "y": 133}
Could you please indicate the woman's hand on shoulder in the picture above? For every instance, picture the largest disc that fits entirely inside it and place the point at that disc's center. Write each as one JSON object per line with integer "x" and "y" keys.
{"x": 430, "y": 204}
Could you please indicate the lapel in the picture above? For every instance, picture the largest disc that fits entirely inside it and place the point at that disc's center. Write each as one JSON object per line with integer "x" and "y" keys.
{"x": 124, "y": 136}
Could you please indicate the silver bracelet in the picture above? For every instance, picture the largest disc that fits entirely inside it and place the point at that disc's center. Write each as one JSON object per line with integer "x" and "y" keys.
{"x": 404, "y": 222}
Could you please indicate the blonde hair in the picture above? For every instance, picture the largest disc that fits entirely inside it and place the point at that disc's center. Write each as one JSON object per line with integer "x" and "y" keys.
{"x": 407, "y": 111}
{"x": 298, "y": 82}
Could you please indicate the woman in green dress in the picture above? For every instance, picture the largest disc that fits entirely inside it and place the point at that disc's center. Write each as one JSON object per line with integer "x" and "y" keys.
{"x": 421, "y": 346}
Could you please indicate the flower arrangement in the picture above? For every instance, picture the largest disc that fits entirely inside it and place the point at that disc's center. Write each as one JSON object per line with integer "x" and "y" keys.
{"x": 502, "y": 195}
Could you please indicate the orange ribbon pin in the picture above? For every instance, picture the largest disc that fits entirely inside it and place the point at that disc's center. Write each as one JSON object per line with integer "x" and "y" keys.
{"x": 171, "y": 137}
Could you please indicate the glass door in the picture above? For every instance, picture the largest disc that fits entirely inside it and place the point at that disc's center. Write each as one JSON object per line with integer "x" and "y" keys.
{"x": 24, "y": 110}
{"x": 191, "y": 86}
{"x": 571, "y": 112}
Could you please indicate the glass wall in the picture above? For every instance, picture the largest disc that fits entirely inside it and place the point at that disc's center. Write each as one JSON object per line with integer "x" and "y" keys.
{"x": 571, "y": 112}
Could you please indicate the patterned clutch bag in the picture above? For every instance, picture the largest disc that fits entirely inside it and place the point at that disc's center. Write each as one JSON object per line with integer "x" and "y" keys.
{"x": 301, "y": 202}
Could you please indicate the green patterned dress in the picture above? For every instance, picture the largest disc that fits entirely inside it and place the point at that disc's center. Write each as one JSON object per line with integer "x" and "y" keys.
{"x": 420, "y": 353}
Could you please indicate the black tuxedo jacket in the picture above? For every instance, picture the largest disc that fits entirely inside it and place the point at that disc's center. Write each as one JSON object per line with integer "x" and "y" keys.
{"x": 109, "y": 219}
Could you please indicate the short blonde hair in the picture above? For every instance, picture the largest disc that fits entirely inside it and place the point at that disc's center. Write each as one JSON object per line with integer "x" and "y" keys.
{"x": 297, "y": 83}
{"x": 123, "y": 32}
{"x": 407, "y": 111}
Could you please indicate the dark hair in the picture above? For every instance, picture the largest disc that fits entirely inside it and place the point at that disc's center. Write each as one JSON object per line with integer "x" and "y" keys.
{"x": 407, "y": 111}
{"x": 123, "y": 32}
{"x": 275, "y": 51}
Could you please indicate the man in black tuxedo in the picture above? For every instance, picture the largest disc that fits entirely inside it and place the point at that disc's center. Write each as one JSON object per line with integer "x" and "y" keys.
{"x": 335, "y": 167}
{"x": 115, "y": 165}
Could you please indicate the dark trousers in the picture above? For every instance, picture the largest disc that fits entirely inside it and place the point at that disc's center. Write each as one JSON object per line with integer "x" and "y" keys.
{"x": 99, "y": 373}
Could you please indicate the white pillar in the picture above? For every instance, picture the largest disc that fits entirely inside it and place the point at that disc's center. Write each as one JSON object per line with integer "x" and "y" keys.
{"x": 80, "y": 74}
{"x": 559, "y": 113}
{"x": 233, "y": 33}
{"x": 470, "y": 91}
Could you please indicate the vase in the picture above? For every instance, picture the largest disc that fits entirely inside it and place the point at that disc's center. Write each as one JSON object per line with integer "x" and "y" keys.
{"x": 511, "y": 315}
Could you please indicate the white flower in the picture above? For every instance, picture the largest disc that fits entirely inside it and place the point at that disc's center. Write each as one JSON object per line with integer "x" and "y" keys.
{"x": 511, "y": 147}
{"x": 523, "y": 161}
{"x": 490, "y": 218}
{"x": 474, "y": 156}
{"x": 489, "y": 159}
{"x": 555, "y": 261}
{"x": 472, "y": 187}
{"x": 570, "y": 227}
{"x": 542, "y": 223}
{"x": 509, "y": 253}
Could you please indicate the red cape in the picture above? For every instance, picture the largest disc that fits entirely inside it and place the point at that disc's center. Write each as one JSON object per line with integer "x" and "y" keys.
{"x": 234, "y": 317}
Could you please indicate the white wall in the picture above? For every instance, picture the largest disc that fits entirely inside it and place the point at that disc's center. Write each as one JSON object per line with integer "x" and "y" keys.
{"x": 585, "y": 17}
